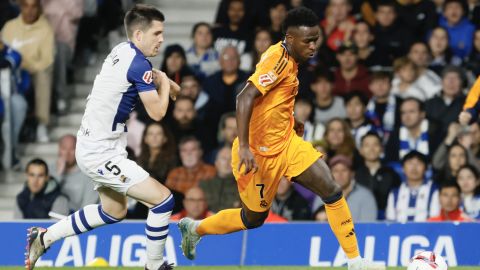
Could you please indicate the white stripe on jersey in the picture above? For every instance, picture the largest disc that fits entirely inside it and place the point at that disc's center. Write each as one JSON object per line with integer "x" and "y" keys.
{"x": 125, "y": 72}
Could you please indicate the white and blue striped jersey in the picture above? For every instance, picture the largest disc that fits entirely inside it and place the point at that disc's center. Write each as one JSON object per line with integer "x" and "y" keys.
{"x": 413, "y": 204}
{"x": 124, "y": 74}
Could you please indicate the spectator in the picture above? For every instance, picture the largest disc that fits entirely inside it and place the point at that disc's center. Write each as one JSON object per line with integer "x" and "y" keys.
{"x": 339, "y": 138}
{"x": 303, "y": 112}
{"x": 63, "y": 16}
{"x": 468, "y": 179}
{"x": 158, "y": 154}
{"x": 441, "y": 52}
{"x": 450, "y": 204}
{"x": 390, "y": 34}
{"x": 40, "y": 194}
{"x": 235, "y": 32}
{"x": 221, "y": 190}
{"x": 190, "y": 87}
{"x": 338, "y": 25}
{"x": 414, "y": 133}
{"x": 445, "y": 107}
{"x": 350, "y": 75}
{"x": 326, "y": 105}
{"x": 223, "y": 88}
{"x": 196, "y": 206}
{"x": 457, "y": 156}
{"x": 405, "y": 84}
{"x": 460, "y": 29}
{"x": 360, "y": 200}
{"x": 428, "y": 80}
{"x": 227, "y": 132}
{"x": 369, "y": 55}
{"x": 193, "y": 169}
{"x": 325, "y": 57}
{"x": 263, "y": 40}
{"x": 383, "y": 108}
{"x": 418, "y": 17}
{"x": 31, "y": 34}
{"x": 175, "y": 63}
{"x": 277, "y": 14}
{"x": 417, "y": 198}
{"x": 10, "y": 58}
{"x": 356, "y": 107}
{"x": 74, "y": 184}
{"x": 201, "y": 57}
{"x": 289, "y": 204}
{"x": 185, "y": 122}
{"x": 473, "y": 61}
{"x": 374, "y": 175}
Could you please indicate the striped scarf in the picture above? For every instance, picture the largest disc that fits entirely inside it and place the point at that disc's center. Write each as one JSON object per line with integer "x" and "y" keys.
{"x": 385, "y": 126}
{"x": 420, "y": 144}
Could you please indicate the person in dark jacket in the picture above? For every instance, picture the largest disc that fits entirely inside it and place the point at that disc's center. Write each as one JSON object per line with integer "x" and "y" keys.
{"x": 40, "y": 195}
{"x": 289, "y": 204}
{"x": 374, "y": 175}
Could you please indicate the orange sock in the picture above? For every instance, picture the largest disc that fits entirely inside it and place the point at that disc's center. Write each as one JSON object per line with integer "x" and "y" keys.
{"x": 223, "y": 222}
{"x": 340, "y": 221}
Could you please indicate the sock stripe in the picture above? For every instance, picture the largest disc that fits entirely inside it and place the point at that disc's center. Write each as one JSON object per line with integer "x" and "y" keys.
{"x": 156, "y": 229}
{"x": 157, "y": 238}
{"x": 74, "y": 224}
{"x": 83, "y": 219}
{"x": 106, "y": 217}
{"x": 165, "y": 206}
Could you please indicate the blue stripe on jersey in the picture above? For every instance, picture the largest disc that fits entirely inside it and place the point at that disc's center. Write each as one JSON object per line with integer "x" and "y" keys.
{"x": 412, "y": 202}
{"x": 125, "y": 107}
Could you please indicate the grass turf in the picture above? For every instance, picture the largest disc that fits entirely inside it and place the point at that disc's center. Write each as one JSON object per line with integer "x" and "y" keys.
{"x": 225, "y": 268}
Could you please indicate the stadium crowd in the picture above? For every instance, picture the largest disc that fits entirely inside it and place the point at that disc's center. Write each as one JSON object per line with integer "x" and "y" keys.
{"x": 380, "y": 98}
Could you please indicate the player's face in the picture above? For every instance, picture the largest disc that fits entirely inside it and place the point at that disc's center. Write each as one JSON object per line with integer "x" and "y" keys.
{"x": 36, "y": 178}
{"x": 304, "y": 41}
{"x": 449, "y": 199}
{"x": 152, "y": 38}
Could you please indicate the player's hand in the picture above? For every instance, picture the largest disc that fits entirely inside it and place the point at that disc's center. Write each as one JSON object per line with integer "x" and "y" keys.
{"x": 160, "y": 79}
{"x": 174, "y": 90}
{"x": 246, "y": 158}
{"x": 299, "y": 128}
{"x": 464, "y": 118}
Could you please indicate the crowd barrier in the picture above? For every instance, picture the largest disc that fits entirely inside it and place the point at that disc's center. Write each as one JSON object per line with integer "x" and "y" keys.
{"x": 308, "y": 244}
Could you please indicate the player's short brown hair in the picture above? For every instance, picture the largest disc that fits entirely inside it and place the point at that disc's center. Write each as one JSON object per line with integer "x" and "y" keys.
{"x": 141, "y": 16}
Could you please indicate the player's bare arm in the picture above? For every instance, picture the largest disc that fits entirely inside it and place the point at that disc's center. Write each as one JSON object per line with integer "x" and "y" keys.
{"x": 245, "y": 102}
{"x": 156, "y": 102}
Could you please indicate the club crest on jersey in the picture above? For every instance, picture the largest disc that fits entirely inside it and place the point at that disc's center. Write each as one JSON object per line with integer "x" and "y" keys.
{"x": 267, "y": 79}
{"x": 147, "y": 77}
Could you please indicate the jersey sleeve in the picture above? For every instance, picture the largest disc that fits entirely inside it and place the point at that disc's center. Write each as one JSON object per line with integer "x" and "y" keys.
{"x": 140, "y": 75}
{"x": 270, "y": 71}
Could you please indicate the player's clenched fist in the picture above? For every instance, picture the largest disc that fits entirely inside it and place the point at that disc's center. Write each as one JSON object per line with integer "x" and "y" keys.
{"x": 174, "y": 90}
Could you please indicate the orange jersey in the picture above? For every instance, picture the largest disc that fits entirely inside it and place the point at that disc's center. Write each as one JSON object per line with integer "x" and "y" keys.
{"x": 272, "y": 121}
{"x": 472, "y": 101}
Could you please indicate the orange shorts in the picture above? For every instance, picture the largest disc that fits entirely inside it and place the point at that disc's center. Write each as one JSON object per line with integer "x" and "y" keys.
{"x": 257, "y": 190}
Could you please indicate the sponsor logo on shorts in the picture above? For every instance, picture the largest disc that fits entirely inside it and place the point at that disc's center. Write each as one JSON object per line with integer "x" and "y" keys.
{"x": 263, "y": 204}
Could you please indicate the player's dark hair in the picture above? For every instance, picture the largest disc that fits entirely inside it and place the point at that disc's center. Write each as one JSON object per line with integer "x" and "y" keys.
{"x": 38, "y": 162}
{"x": 300, "y": 16}
{"x": 141, "y": 15}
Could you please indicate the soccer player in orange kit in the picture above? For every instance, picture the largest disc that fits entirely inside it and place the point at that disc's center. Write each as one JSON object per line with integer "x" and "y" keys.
{"x": 268, "y": 147}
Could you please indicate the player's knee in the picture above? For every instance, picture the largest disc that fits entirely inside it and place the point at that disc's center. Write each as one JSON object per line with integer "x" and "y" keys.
{"x": 252, "y": 221}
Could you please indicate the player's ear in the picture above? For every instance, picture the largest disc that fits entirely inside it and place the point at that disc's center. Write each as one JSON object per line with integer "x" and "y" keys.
{"x": 289, "y": 38}
{"x": 137, "y": 35}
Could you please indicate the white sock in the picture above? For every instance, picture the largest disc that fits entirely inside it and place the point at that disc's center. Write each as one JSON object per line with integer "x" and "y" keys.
{"x": 86, "y": 219}
{"x": 352, "y": 260}
{"x": 157, "y": 232}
